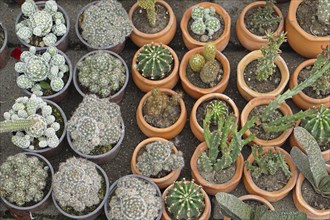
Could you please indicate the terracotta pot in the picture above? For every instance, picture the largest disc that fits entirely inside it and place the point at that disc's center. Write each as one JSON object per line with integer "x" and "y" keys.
{"x": 312, "y": 45}
{"x": 167, "y": 133}
{"x": 256, "y": 198}
{"x": 212, "y": 188}
{"x": 195, "y": 91}
{"x": 196, "y": 129}
{"x": 4, "y": 51}
{"x": 207, "y": 210}
{"x": 221, "y": 42}
{"x": 118, "y": 96}
{"x": 246, "y": 91}
{"x": 252, "y": 188}
{"x": 164, "y": 36}
{"x": 249, "y": 40}
{"x": 302, "y": 100}
{"x": 284, "y": 108}
{"x": 145, "y": 84}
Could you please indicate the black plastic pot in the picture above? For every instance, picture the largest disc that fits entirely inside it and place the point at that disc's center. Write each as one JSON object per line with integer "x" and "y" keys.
{"x": 4, "y": 51}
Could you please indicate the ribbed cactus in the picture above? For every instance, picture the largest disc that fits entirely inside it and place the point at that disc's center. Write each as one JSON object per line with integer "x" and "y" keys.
{"x": 323, "y": 11}
{"x": 154, "y": 61}
{"x": 196, "y": 62}
{"x": 185, "y": 200}
{"x": 18, "y": 125}
{"x": 210, "y": 71}
{"x": 218, "y": 108}
{"x": 209, "y": 51}
{"x": 311, "y": 166}
{"x": 149, "y": 6}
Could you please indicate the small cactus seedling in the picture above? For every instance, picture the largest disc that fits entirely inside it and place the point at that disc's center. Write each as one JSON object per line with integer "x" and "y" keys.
{"x": 323, "y": 11}
{"x": 196, "y": 62}
{"x": 185, "y": 200}
{"x": 209, "y": 51}
{"x": 149, "y": 6}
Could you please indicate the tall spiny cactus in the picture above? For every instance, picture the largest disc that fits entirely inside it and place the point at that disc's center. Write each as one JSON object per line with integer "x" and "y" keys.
{"x": 149, "y": 6}
{"x": 323, "y": 11}
{"x": 15, "y": 125}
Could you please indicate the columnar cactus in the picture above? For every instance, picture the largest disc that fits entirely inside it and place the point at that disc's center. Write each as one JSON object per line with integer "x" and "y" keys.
{"x": 102, "y": 73}
{"x": 323, "y": 11}
{"x": 134, "y": 198}
{"x": 23, "y": 179}
{"x": 149, "y": 6}
{"x": 154, "y": 61}
{"x": 158, "y": 156}
{"x": 105, "y": 24}
{"x": 96, "y": 122}
{"x": 185, "y": 200}
{"x": 41, "y": 71}
{"x": 77, "y": 184}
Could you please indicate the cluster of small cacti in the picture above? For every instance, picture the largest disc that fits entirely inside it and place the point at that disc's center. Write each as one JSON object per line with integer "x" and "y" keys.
{"x": 158, "y": 156}
{"x": 102, "y": 73}
{"x": 39, "y": 113}
{"x": 134, "y": 198}
{"x": 96, "y": 122}
{"x": 154, "y": 61}
{"x": 149, "y": 6}
{"x": 323, "y": 11}
{"x": 185, "y": 200}
{"x": 23, "y": 179}
{"x": 77, "y": 184}
{"x": 48, "y": 23}
{"x": 40, "y": 71}
{"x": 105, "y": 24}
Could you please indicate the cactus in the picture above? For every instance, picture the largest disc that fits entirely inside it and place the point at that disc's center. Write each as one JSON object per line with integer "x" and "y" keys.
{"x": 218, "y": 109}
{"x": 311, "y": 166}
{"x": 185, "y": 200}
{"x": 113, "y": 24}
{"x": 77, "y": 184}
{"x": 11, "y": 126}
{"x": 134, "y": 198}
{"x": 154, "y": 61}
{"x": 102, "y": 74}
{"x": 149, "y": 6}
{"x": 210, "y": 72}
{"x": 209, "y": 51}
{"x": 23, "y": 179}
{"x": 96, "y": 122}
{"x": 323, "y": 11}
{"x": 234, "y": 208}
{"x": 205, "y": 21}
{"x": 196, "y": 62}
{"x": 158, "y": 157}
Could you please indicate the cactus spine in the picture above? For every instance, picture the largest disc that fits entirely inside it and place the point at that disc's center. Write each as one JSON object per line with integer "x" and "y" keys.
{"x": 149, "y": 6}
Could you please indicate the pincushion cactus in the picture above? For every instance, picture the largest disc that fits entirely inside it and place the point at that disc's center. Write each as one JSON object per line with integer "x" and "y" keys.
{"x": 149, "y": 6}
{"x": 47, "y": 23}
{"x": 134, "y": 198}
{"x": 41, "y": 71}
{"x": 196, "y": 62}
{"x": 102, "y": 73}
{"x": 96, "y": 122}
{"x": 157, "y": 157}
{"x": 209, "y": 51}
{"x": 323, "y": 11}
{"x": 105, "y": 24}
{"x": 23, "y": 179}
{"x": 154, "y": 61}
{"x": 77, "y": 184}
{"x": 210, "y": 72}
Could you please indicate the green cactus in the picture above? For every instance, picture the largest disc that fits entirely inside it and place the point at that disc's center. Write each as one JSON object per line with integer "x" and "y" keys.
{"x": 210, "y": 71}
{"x": 185, "y": 200}
{"x": 17, "y": 125}
{"x": 196, "y": 62}
{"x": 149, "y": 6}
{"x": 209, "y": 51}
{"x": 154, "y": 61}
{"x": 205, "y": 21}
{"x": 218, "y": 109}
{"x": 323, "y": 11}
{"x": 311, "y": 166}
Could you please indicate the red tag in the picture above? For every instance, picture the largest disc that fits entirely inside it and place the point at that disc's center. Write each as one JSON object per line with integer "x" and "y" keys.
{"x": 16, "y": 53}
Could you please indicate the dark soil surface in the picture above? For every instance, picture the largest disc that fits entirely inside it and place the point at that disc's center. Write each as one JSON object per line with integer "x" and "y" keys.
{"x": 219, "y": 177}
{"x": 2, "y": 37}
{"x": 325, "y": 147}
{"x": 140, "y": 20}
{"x": 271, "y": 183}
{"x": 312, "y": 198}
{"x": 307, "y": 19}
{"x": 261, "y": 86}
{"x": 253, "y": 203}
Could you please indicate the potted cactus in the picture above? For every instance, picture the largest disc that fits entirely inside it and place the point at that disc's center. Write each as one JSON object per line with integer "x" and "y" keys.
{"x": 311, "y": 196}
{"x": 204, "y": 70}
{"x": 37, "y": 125}
{"x": 153, "y": 22}
{"x": 185, "y": 200}
{"x": 263, "y": 72}
{"x": 43, "y": 24}
{"x": 158, "y": 159}
{"x": 80, "y": 188}
{"x": 4, "y": 51}
{"x": 46, "y": 73}
{"x": 103, "y": 73}
{"x": 96, "y": 129}
{"x": 155, "y": 66}
{"x": 255, "y": 20}
{"x": 134, "y": 197}
{"x": 113, "y": 26}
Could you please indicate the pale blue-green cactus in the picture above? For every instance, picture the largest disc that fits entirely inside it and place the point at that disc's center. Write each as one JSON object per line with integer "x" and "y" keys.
{"x": 323, "y": 11}
{"x": 205, "y": 22}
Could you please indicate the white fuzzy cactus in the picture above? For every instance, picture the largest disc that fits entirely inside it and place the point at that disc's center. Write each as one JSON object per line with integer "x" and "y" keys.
{"x": 323, "y": 11}
{"x": 205, "y": 22}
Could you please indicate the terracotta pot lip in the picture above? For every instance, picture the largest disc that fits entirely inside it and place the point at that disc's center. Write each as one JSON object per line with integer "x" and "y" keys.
{"x": 2, "y": 48}
{"x": 24, "y": 208}
{"x": 160, "y": 33}
{"x": 159, "y": 130}
{"x": 219, "y": 10}
{"x": 257, "y": 198}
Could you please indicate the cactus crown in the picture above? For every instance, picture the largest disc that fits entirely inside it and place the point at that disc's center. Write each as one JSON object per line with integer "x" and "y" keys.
{"x": 149, "y": 6}
{"x": 323, "y": 11}
{"x": 205, "y": 22}
{"x": 311, "y": 166}
{"x": 218, "y": 110}
{"x": 185, "y": 200}
{"x": 154, "y": 61}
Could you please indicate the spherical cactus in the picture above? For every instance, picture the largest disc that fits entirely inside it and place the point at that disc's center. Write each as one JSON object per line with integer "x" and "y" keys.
{"x": 198, "y": 27}
{"x": 209, "y": 51}
{"x": 218, "y": 108}
{"x": 210, "y": 71}
{"x": 156, "y": 103}
{"x": 196, "y": 62}
{"x": 204, "y": 21}
{"x": 212, "y": 25}
{"x": 197, "y": 13}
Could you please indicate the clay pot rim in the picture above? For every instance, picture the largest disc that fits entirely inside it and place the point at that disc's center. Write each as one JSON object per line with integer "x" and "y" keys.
{"x": 75, "y": 73}
{"x": 219, "y": 57}
{"x": 160, "y": 130}
{"x": 66, "y": 17}
{"x": 45, "y": 198}
{"x": 2, "y": 48}
{"x": 160, "y": 33}
{"x": 219, "y": 10}
{"x": 158, "y": 82}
